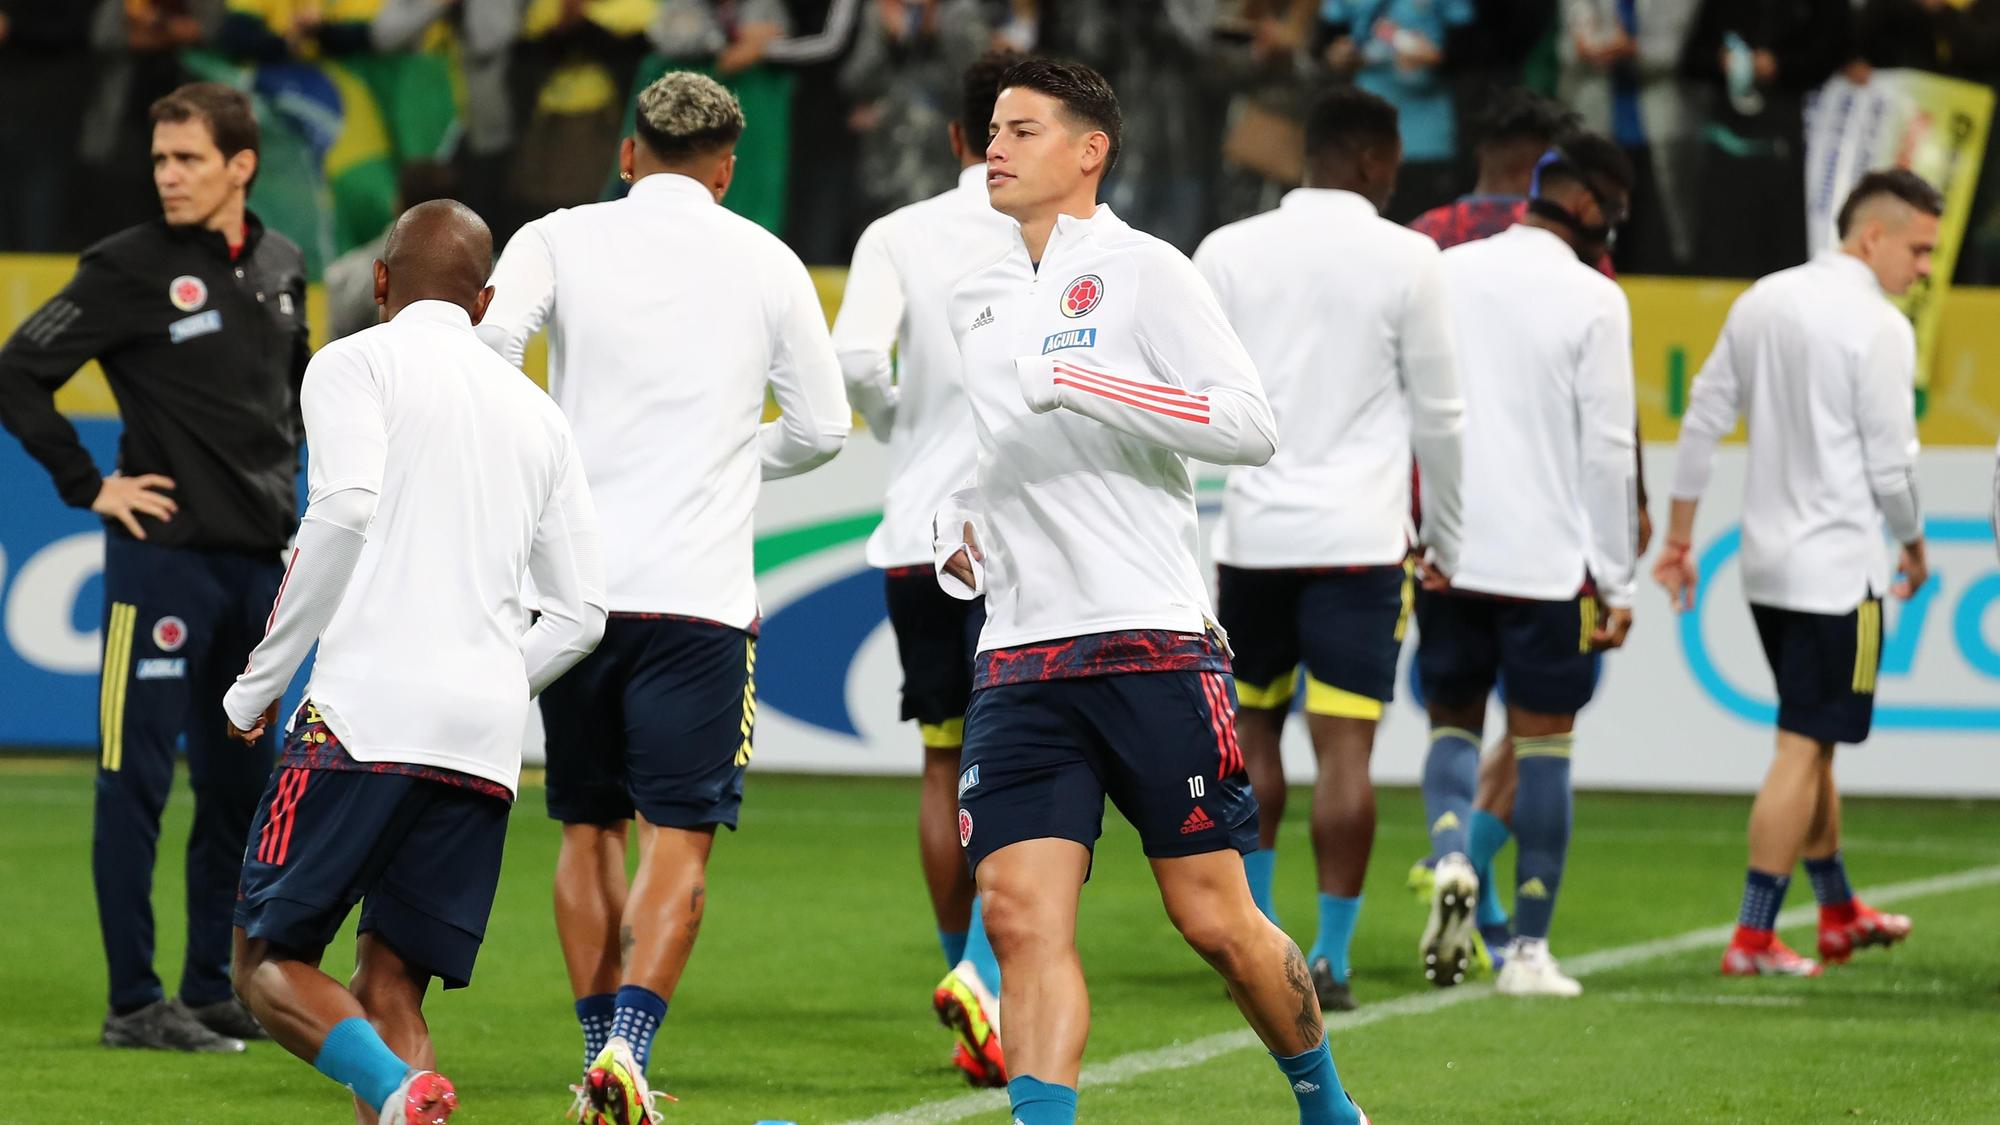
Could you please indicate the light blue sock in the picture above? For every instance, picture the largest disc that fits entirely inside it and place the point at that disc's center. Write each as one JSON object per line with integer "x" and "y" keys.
{"x": 640, "y": 1011}
{"x": 1316, "y": 1085}
{"x": 1489, "y": 835}
{"x": 1542, "y": 814}
{"x": 1337, "y": 916}
{"x": 596, "y": 1014}
{"x": 1260, "y": 867}
{"x": 355, "y": 1056}
{"x": 953, "y": 944}
{"x": 1450, "y": 782}
{"x": 979, "y": 951}
{"x": 1038, "y": 1103}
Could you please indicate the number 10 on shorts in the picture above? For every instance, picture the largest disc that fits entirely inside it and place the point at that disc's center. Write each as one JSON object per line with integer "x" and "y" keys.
{"x": 1197, "y": 786}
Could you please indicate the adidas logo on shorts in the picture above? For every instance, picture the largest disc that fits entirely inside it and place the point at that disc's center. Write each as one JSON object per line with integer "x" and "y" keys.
{"x": 1197, "y": 821}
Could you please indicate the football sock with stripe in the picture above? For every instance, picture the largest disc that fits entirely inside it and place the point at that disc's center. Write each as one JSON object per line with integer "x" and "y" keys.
{"x": 1261, "y": 867}
{"x": 979, "y": 951}
{"x": 953, "y": 944}
{"x": 1337, "y": 915}
{"x": 355, "y": 1056}
{"x": 1763, "y": 896}
{"x": 1829, "y": 884}
{"x": 1542, "y": 815}
{"x": 1489, "y": 834}
{"x": 1041, "y": 1103}
{"x": 1451, "y": 778}
{"x": 595, "y": 1013}
{"x": 637, "y": 1019}
{"x": 1316, "y": 1084}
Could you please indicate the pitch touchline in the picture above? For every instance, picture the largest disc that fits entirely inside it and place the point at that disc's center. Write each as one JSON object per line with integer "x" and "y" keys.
{"x": 1180, "y": 1056}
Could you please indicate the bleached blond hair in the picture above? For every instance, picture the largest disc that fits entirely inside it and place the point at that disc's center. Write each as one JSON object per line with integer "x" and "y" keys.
{"x": 684, "y": 115}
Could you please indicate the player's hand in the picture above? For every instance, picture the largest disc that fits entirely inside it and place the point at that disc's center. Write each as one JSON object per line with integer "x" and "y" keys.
{"x": 1611, "y": 628}
{"x": 1912, "y": 571}
{"x": 264, "y": 723}
{"x": 1430, "y": 575}
{"x": 959, "y": 565}
{"x": 124, "y": 498}
{"x": 1677, "y": 573}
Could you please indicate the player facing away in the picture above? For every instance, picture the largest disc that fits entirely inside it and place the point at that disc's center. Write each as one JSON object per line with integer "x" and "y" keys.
{"x": 1344, "y": 314}
{"x": 669, "y": 316}
{"x": 898, "y": 286}
{"x": 1821, "y": 366}
{"x": 1545, "y": 570}
{"x": 1097, "y": 363}
{"x": 439, "y": 480}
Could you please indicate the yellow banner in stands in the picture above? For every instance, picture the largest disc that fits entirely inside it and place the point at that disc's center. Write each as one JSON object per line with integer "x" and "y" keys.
{"x": 1674, "y": 325}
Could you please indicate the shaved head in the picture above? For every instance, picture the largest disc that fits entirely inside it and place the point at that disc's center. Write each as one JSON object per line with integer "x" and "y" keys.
{"x": 437, "y": 251}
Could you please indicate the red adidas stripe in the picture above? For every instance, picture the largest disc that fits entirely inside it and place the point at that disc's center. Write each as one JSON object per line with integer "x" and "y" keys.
{"x": 267, "y": 837}
{"x": 291, "y": 816}
{"x": 1158, "y": 392}
{"x": 1228, "y": 722}
{"x": 1183, "y": 415}
{"x": 1215, "y": 725}
{"x": 1162, "y": 388}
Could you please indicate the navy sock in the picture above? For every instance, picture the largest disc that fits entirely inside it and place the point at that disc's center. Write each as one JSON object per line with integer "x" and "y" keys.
{"x": 1451, "y": 779}
{"x": 595, "y": 1013}
{"x": 1337, "y": 915}
{"x": 953, "y": 944}
{"x": 1261, "y": 867}
{"x": 1489, "y": 834}
{"x": 640, "y": 1011}
{"x": 979, "y": 951}
{"x": 1541, "y": 827}
{"x": 1039, "y": 1103}
{"x": 1763, "y": 896}
{"x": 1829, "y": 881}
{"x": 1316, "y": 1085}
{"x": 355, "y": 1056}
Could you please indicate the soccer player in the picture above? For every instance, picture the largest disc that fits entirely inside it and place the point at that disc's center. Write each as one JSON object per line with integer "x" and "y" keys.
{"x": 1822, "y": 365}
{"x": 199, "y": 320}
{"x": 669, "y": 316}
{"x": 903, "y": 271}
{"x": 1097, "y": 363}
{"x": 1545, "y": 569}
{"x": 439, "y": 479}
{"x": 1344, "y": 314}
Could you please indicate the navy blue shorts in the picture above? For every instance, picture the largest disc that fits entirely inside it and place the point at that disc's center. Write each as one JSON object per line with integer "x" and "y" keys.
{"x": 1344, "y": 624}
{"x": 1467, "y": 642}
{"x": 1041, "y": 757}
{"x": 1825, "y": 666}
{"x": 422, "y": 857}
{"x": 658, "y": 719}
{"x": 936, "y": 636}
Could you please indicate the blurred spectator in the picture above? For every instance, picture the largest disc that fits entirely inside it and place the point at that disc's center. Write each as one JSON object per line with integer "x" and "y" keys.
{"x": 1755, "y": 61}
{"x": 1396, "y": 49}
{"x": 1259, "y": 66}
{"x": 139, "y": 46}
{"x": 350, "y": 278}
{"x": 45, "y": 75}
{"x": 1621, "y": 74}
{"x": 903, "y": 75}
{"x": 571, "y": 75}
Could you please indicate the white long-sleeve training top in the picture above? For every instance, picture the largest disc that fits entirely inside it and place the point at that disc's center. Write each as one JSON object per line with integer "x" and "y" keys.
{"x": 668, "y": 316}
{"x": 1093, "y": 380}
{"x": 904, "y": 269}
{"x": 1545, "y": 360}
{"x": 1824, "y": 367}
{"x": 1344, "y": 314}
{"x": 438, "y": 478}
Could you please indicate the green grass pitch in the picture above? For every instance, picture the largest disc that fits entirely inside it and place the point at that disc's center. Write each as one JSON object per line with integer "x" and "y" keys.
{"x": 808, "y": 998}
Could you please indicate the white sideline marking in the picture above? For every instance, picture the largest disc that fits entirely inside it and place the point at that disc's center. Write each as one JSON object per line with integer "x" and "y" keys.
{"x": 1180, "y": 1056}
{"x": 1706, "y": 1000}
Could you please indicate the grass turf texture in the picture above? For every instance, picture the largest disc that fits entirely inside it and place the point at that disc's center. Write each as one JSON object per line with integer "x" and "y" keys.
{"x": 808, "y": 999}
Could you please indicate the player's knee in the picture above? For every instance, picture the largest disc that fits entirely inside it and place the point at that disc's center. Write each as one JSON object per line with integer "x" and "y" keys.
{"x": 1221, "y": 938}
{"x": 1014, "y": 925}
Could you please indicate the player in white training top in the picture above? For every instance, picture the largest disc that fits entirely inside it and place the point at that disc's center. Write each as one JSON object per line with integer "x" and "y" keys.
{"x": 897, "y": 288}
{"x": 1097, "y": 364}
{"x": 1822, "y": 366}
{"x": 439, "y": 479}
{"x": 668, "y": 317}
{"x": 1344, "y": 313}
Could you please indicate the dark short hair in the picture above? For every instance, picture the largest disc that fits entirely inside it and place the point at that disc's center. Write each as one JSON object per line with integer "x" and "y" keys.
{"x": 1346, "y": 120}
{"x": 684, "y": 115}
{"x": 1519, "y": 115}
{"x": 981, "y": 88}
{"x": 1591, "y": 160}
{"x": 231, "y": 122}
{"x": 1085, "y": 97}
{"x": 1899, "y": 182}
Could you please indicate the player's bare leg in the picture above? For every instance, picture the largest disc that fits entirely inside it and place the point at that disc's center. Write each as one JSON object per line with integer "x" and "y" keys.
{"x": 391, "y": 992}
{"x": 662, "y": 916}
{"x": 1542, "y": 818}
{"x": 590, "y": 893}
{"x": 950, "y": 883}
{"x": 1845, "y": 922}
{"x": 1343, "y": 835}
{"x": 1029, "y": 891}
{"x": 1783, "y": 818}
{"x": 1259, "y": 732}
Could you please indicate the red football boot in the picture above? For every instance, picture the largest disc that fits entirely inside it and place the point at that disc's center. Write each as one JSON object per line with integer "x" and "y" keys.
{"x": 1857, "y": 925}
{"x": 1759, "y": 953}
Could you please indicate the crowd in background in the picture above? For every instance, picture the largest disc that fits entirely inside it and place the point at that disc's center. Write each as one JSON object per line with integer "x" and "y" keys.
{"x": 516, "y": 105}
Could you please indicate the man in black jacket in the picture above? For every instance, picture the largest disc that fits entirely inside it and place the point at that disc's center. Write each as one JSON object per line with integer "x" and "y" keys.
{"x": 198, "y": 319}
